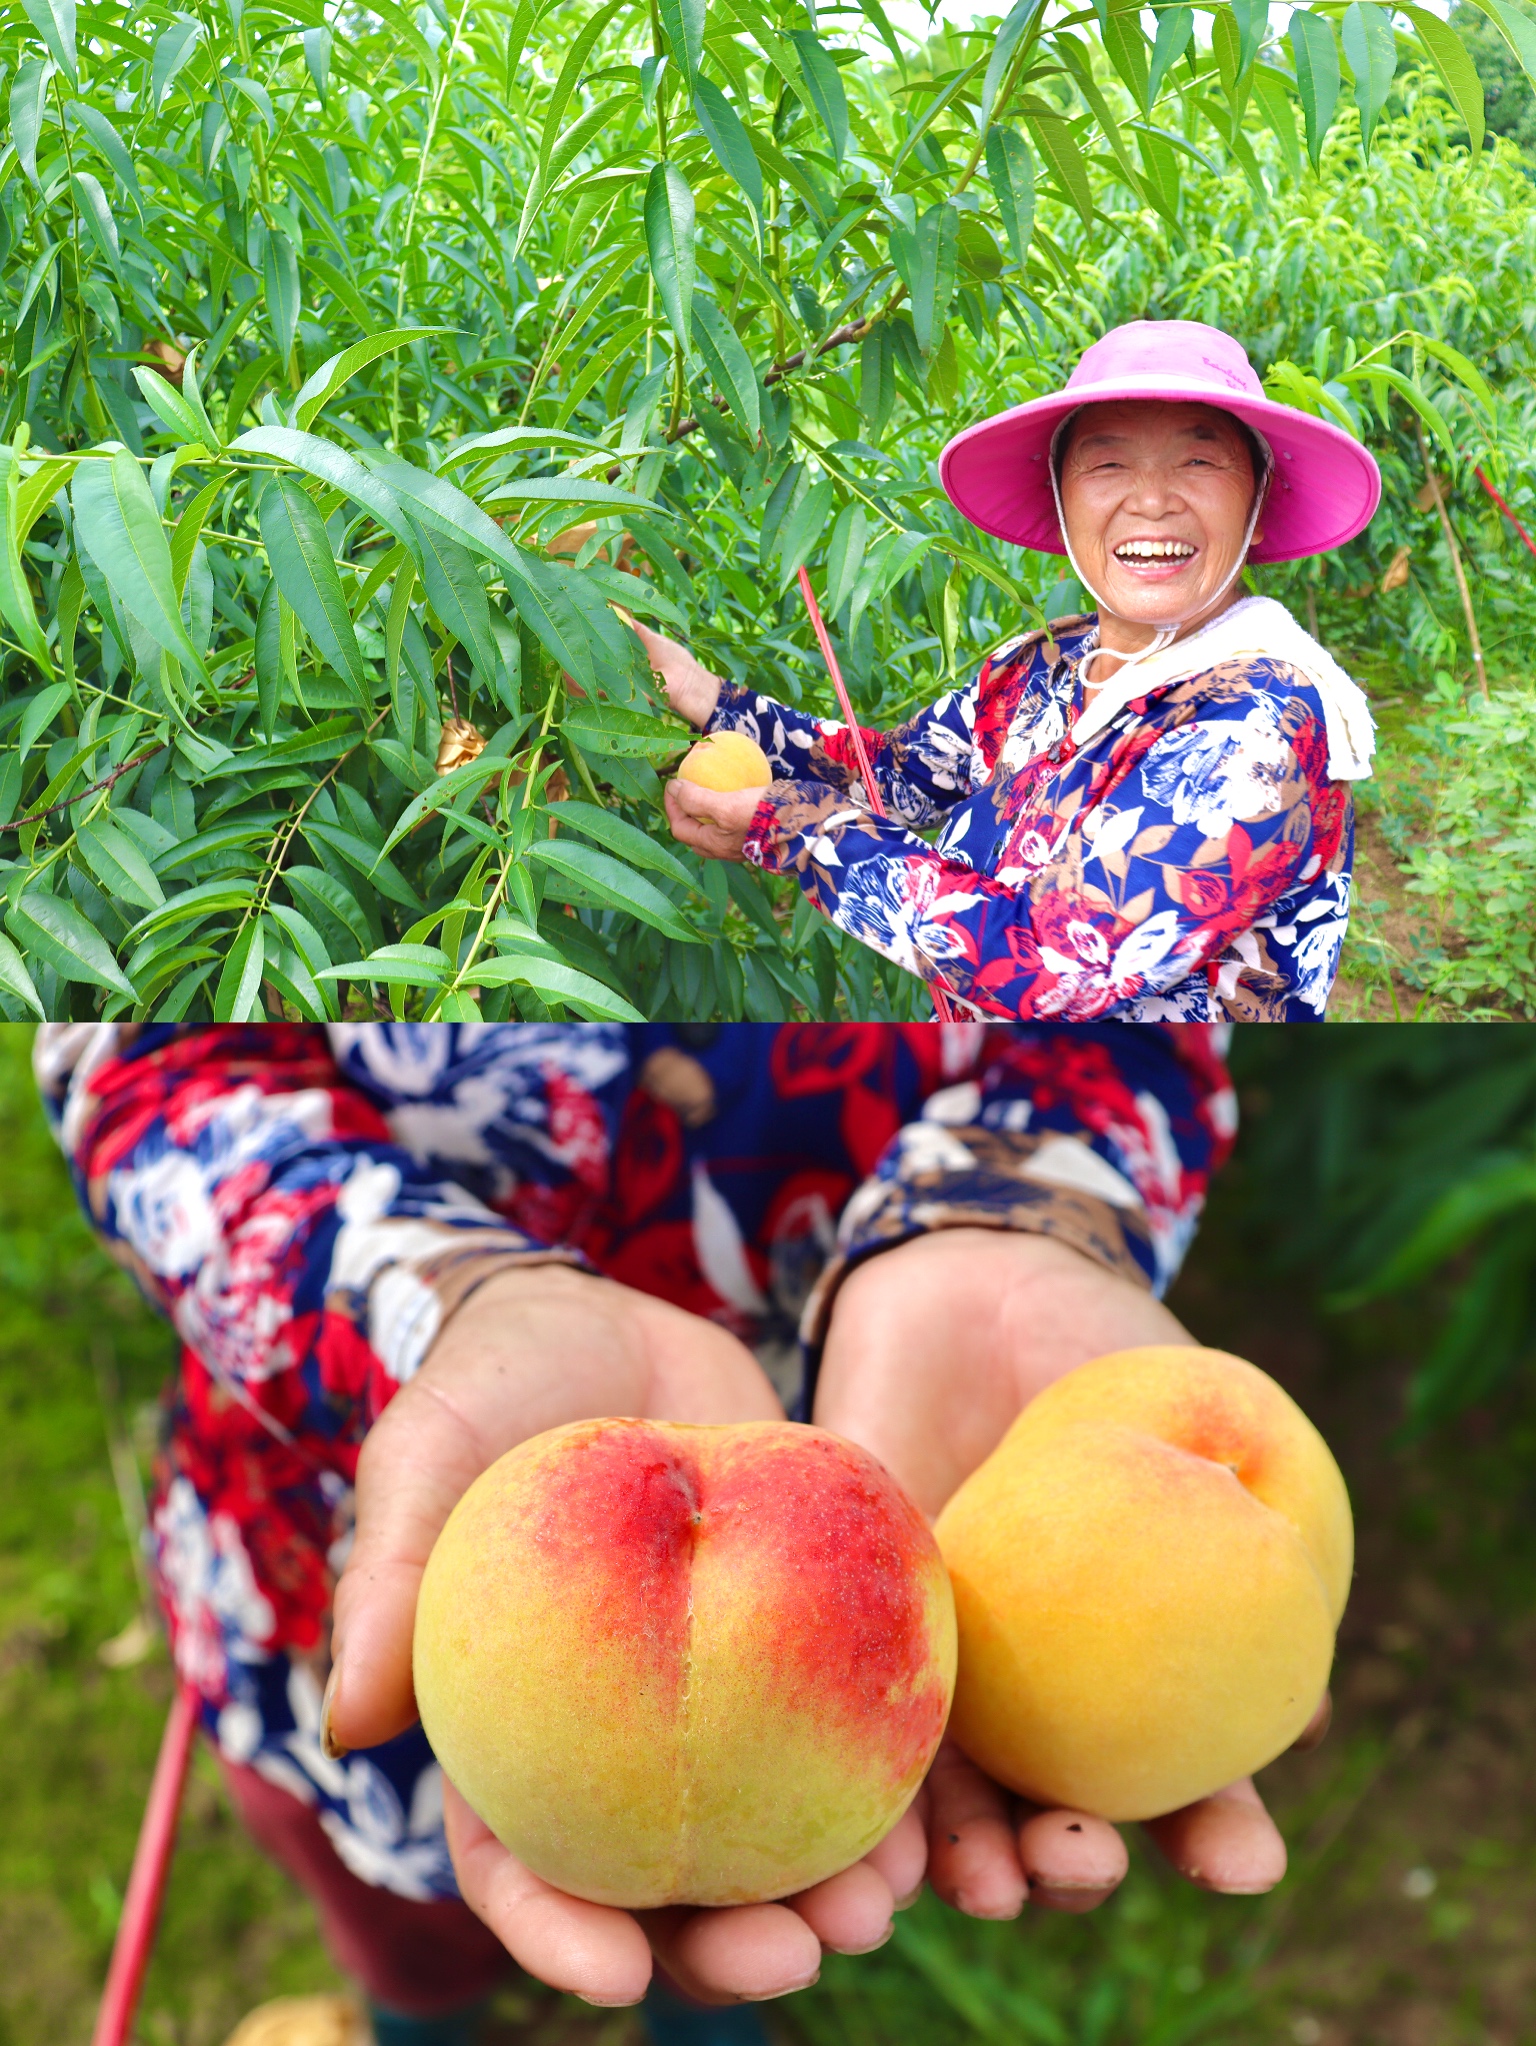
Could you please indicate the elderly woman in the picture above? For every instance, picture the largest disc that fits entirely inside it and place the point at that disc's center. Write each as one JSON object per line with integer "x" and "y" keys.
{"x": 1145, "y": 812}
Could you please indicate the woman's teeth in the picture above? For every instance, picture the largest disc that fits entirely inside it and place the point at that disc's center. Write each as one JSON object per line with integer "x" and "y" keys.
{"x": 1154, "y": 550}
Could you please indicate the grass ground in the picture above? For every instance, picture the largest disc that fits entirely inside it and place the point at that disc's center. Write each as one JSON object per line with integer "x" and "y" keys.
{"x": 1409, "y": 1918}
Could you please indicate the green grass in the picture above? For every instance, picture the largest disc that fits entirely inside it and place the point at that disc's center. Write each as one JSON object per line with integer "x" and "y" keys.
{"x": 1432, "y": 1763}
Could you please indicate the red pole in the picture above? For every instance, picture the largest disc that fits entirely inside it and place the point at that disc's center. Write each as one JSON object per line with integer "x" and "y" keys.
{"x": 146, "y": 1883}
{"x": 940, "y": 991}
{"x": 1503, "y": 507}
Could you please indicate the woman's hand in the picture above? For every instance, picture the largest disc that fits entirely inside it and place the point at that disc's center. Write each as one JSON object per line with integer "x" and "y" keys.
{"x": 934, "y": 1348}
{"x": 691, "y": 690}
{"x": 529, "y": 1350}
{"x": 713, "y": 821}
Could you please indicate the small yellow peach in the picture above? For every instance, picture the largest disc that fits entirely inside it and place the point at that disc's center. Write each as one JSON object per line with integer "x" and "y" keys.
{"x": 727, "y": 760}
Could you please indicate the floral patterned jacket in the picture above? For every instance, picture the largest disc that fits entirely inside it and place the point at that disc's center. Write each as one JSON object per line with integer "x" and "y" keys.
{"x": 308, "y": 1206}
{"x": 1192, "y": 860}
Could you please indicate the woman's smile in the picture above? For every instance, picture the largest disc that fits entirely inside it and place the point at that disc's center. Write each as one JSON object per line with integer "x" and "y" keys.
{"x": 1155, "y": 560}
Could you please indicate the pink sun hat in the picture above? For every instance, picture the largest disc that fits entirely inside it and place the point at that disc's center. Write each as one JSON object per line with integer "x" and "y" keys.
{"x": 1326, "y": 485}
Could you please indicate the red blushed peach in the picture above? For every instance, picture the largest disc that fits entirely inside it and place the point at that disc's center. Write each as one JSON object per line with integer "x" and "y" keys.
{"x": 1148, "y": 1573}
{"x": 685, "y": 1665}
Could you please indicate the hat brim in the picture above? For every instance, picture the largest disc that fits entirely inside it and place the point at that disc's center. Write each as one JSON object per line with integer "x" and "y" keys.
{"x": 1326, "y": 485}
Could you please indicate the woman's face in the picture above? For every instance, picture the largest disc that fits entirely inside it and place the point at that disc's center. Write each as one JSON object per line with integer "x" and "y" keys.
{"x": 1156, "y": 498}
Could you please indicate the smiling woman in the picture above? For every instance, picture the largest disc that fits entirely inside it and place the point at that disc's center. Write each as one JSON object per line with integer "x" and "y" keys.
{"x": 1144, "y": 811}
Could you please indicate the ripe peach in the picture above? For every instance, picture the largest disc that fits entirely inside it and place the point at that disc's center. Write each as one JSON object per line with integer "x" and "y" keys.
{"x": 726, "y": 760}
{"x": 685, "y": 1665}
{"x": 1148, "y": 1573}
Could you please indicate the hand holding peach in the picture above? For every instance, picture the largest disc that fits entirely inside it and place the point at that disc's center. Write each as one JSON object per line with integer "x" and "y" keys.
{"x": 685, "y": 1665}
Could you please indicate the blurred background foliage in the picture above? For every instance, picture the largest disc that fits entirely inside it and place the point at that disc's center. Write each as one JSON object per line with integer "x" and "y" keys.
{"x": 357, "y": 364}
{"x": 1377, "y": 1161}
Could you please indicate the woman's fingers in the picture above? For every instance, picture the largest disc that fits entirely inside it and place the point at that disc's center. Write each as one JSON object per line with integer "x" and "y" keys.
{"x": 1227, "y": 1842}
{"x": 1072, "y": 1860}
{"x": 902, "y": 1856}
{"x": 852, "y": 1913}
{"x": 712, "y": 821}
{"x": 743, "y": 1954}
{"x": 973, "y": 1859}
{"x": 419, "y": 1458}
{"x": 590, "y": 1950}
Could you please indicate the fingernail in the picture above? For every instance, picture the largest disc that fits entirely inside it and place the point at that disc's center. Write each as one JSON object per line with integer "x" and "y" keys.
{"x": 905, "y": 1903}
{"x": 789, "y": 1989}
{"x": 608, "y": 2002}
{"x": 873, "y": 1947}
{"x": 330, "y": 1747}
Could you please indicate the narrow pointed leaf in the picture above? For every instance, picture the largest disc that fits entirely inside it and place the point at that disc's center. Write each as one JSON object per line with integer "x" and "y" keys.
{"x": 1011, "y": 174}
{"x": 56, "y": 932}
{"x": 1316, "y": 58}
{"x": 728, "y": 138}
{"x": 669, "y": 231}
{"x": 116, "y": 519}
{"x": 825, "y": 87}
{"x": 15, "y": 979}
{"x": 28, "y": 94}
{"x": 118, "y": 864}
{"x": 554, "y": 981}
{"x": 728, "y": 363}
{"x": 299, "y": 550}
{"x": 1371, "y": 47}
{"x": 54, "y": 21}
{"x": 683, "y": 23}
{"x": 1009, "y": 37}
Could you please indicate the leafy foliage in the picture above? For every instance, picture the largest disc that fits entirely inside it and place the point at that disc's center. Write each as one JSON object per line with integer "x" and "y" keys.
{"x": 1387, "y": 1161}
{"x": 359, "y": 367}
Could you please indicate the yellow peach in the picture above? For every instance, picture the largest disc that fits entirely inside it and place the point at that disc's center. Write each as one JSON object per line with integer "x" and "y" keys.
{"x": 685, "y": 1665}
{"x": 726, "y": 760}
{"x": 1148, "y": 1572}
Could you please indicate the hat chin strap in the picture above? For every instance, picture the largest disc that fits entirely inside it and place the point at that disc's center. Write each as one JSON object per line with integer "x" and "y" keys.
{"x": 1167, "y": 631}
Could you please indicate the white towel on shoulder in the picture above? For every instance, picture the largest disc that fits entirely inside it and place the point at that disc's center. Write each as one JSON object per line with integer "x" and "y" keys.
{"x": 1253, "y": 625}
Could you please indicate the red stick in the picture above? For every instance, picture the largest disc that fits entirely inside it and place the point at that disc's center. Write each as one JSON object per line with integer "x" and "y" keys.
{"x": 940, "y": 991}
{"x": 146, "y": 1883}
{"x": 1503, "y": 507}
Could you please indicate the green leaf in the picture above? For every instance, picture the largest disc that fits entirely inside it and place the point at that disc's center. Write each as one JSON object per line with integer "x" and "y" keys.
{"x": 728, "y": 138}
{"x": 683, "y": 23}
{"x": 465, "y": 780}
{"x": 173, "y": 50}
{"x": 29, "y": 95}
{"x": 1175, "y": 26}
{"x": 118, "y": 864}
{"x": 328, "y": 463}
{"x": 1316, "y": 58}
{"x": 419, "y": 966}
{"x": 455, "y": 592}
{"x": 1449, "y": 55}
{"x": 1011, "y": 174}
{"x": 40, "y": 714}
{"x": 110, "y": 143}
{"x": 600, "y": 728}
{"x": 1271, "y": 89}
{"x": 54, "y": 21}
{"x": 845, "y": 555}
{"x": 1125, "y": 43}
{"x": 317, "y": 391}
{"x": 1057, "y": 144}
{"x": 802, "y": 531}
{"x": 15, "y": 979}
{"x": 1009, "y": 36}
{"x": 94, "y": 206}
{"x": 669, "y": 231}
{"x": 570, "y": 72}
{"x": 280, "y": 275}
{"x": 613, "y": 883}
{"x": 56, "y": 932}
{"x": 171, "y": 408}
{"x": 625, "y": 839}
{"x": 1371, "y": 47}
{"x": 1517, "y": 29}
{"x": 120, "y": 527}
{"x": 237, "y": 998}
{"x": 929, "y": 272}
{"x": 299, "y": 550}
{"x": 728, "y": 363}
{"x": 549, "y": 978}
{"x": 372, "y": 864}
{"x": 824, "y": 85}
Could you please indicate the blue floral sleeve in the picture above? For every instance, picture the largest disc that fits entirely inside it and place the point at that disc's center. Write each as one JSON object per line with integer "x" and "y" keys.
{"x": 1208, "y": 824}
{"x": 922, "y": 768}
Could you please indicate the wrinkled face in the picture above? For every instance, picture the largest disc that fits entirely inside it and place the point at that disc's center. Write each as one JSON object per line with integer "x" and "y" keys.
{"x": 1156, "y": 498}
